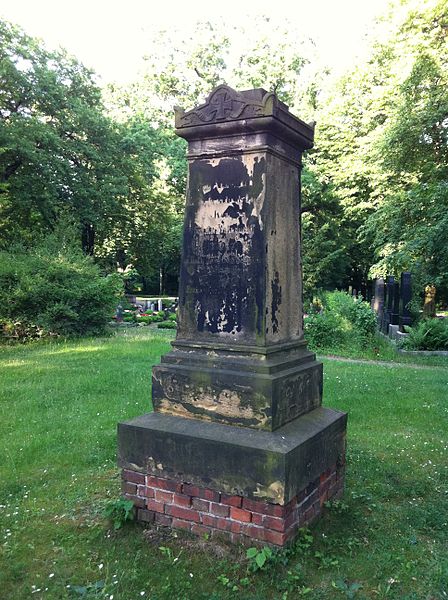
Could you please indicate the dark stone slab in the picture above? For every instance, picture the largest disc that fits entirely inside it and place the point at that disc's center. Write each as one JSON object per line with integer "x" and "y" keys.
{"x": 388, "y": 304}
{"x": 405, "y": 298}
{"x": 395, "y": 315}
{"x": 272, "y": 466}
{"x": 240, "y": 282}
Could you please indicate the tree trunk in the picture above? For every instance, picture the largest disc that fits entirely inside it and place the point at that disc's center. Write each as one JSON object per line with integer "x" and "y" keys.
{"x": 88, "y": 238}
{"x": 161, "y": 281}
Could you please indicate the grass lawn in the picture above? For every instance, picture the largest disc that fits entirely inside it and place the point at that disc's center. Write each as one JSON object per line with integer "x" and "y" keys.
{"x": 59, "y": 405}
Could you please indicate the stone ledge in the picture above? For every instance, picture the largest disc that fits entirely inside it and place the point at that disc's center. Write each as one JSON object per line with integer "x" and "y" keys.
{"x": 423, "y": 352}
{"x": 271, "y": 466}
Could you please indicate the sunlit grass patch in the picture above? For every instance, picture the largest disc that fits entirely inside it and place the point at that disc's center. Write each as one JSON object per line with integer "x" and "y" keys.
{"x": 59, "y": 405}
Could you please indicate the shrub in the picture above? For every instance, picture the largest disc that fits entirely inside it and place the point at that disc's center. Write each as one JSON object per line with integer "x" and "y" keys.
{"x": 55, "y": 292}
{"x": 428, "y": 334}
{"x": 324, "y": 329}
{"x": 167, "y": 325}
{"x": 144, "y": 319}
{"x": 355, "y": 310}
{"x": 338, "y": 319}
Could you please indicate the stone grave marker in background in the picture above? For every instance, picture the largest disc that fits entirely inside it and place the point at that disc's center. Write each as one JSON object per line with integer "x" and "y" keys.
{"x": 377, "y": 303}
{"x": 389, "y": 304}
{"x": 395, "y": 315}
{"x": 405, "y": 298}
{"x": 239, "y": 442}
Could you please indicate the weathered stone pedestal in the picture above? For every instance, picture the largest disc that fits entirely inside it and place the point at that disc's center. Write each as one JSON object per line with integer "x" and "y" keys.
{"x": 239, "y": 442}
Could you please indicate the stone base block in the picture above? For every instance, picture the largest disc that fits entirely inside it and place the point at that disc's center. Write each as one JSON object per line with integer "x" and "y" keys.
{"x": 206, "y": 511}
{"x": 259, "y": 465}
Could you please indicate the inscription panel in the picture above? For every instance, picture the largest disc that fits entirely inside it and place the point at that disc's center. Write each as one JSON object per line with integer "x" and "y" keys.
{"x": 222, "y": 270}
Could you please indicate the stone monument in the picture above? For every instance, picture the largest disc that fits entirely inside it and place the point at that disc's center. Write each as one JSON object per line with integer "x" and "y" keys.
{"x": 405, "y": 299}
{"x": 238, "y": 442}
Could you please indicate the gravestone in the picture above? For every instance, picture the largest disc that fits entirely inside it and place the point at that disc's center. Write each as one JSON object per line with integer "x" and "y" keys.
{"x": 389, "y": 304}
{"x": 395, "y": 315}
{"x": 405, "y": 298}
{"x": 239, "y": 442}
{"x": 377, "y": 303}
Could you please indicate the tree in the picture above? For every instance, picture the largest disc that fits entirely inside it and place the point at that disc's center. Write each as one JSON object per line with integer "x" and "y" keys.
{"x": 61, "y": 157}
{"x": 58, "y": 152}
{"x": 383, "y": 146}
{"x": 410, "y": 228}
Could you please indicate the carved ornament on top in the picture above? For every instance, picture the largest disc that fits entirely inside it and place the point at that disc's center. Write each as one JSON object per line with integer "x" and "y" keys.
{"x": 225, "y": 104}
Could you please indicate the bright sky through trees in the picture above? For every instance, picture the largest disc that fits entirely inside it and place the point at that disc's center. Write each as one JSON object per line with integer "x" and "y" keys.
{"x": 111, "y": 36}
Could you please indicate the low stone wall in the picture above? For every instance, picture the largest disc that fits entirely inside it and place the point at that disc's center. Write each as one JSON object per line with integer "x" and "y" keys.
{"x": 205, "y": 511}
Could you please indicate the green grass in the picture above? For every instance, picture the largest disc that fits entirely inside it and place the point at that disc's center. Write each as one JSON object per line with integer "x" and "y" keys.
{"x": 59, "y": 406}
{"x": 380, "y": 348}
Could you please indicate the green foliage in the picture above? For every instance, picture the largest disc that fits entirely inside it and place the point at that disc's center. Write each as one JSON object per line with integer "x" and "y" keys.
{"x": 258, "y": 557}
{"x": 58, "y": 153}
{"x": 428, "y": 334}
{"x": 325, "y": 247}
{"x": 61, "y": 155}
{"x": 148, "y": 319}
{"x": 339, "y": 319}
{"x": 119, "y": 511}
{"x": 324, "y": 329}
{"x": 354, "y": 309}
{"x": 55, "y": 289}
{"x": 167, "y": 325}
{"x": 350, "y": 590}
{"x": 91, "y": 590}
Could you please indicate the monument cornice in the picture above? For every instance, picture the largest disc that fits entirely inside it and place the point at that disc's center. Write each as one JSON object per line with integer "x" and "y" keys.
{"x": 227, "y": 112}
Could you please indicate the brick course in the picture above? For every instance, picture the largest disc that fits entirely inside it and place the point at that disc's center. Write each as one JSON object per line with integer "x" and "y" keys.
{"x": 205, "y": 511}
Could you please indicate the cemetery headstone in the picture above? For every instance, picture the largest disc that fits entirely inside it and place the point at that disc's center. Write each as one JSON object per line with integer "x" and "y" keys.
{"x": 395, "y": 315}
{"x": 239, "y": 442}
{"x": 389, "y": 304}
{"x": 405, "y": 298}
{"x": 378, "y": 300}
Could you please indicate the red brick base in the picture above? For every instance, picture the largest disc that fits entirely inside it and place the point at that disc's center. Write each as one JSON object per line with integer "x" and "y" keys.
{"x": 205, "y": 511}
